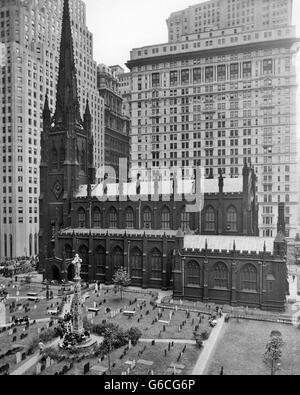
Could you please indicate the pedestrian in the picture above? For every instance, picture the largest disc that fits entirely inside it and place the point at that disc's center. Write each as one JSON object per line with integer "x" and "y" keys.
{"x": 222, "y": 371}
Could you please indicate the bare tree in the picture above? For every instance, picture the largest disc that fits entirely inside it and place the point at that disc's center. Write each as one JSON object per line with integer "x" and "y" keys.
{"x": 121, "y": 280}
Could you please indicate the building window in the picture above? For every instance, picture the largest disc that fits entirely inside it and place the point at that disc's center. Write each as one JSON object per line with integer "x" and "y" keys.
{"x": 81, "y": 218}
{"x": 210, "y": 220}
{"x": 185, "y": 77}
{"x": 117, "y": 259}
{"x": 221, "y": 70}
{"x": 97, "y": 218}
{"x": 192, "y": 274}
{"x": 54, "y": 159}
{"x": 185, "y": 221}
{"x": 221, "y": 276}
{"x": 247, "y": 70}
{"x": 249, "y": 278}
{"x": 165, "y": 219}
{"x": 68, "y": 252}
{"x": 268, "y": 66}
{"x": 209, "y": 74}
{"x": 100, "y": 258}
{"x": 155, "y": 80}
{"x": 136, "y": 264}
{"x": 156, "y": 265}
{"x": 173, "y": 78}
{"x": 232, "y": 219}
{"x": 234, "y": 71}
{"x": 197, "y": 75}
{"x": 147, "y": 218}
{"x": 129, "y": 218}
{"x": 113, "y": 218}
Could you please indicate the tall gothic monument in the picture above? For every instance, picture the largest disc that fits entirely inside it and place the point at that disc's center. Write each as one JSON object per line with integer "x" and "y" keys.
{"x": 66, "y": 149}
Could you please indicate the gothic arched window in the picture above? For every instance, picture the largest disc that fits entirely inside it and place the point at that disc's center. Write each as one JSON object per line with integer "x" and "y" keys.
{"x": 232, "y": 219}
{"x": 129, "y": 218}
{"x": 136, "y": 260}
{"x": 100, "y": 260}
{"x": 210, "y": 220}
{"x": 97, "y": 218}
{"x": 184, "y": 220}
{"x": 81, "y": 218}
{"x": 166, "y": 218}
{"x": 117, "y": 259}
{"x": 68, "y": 251}
{"x": 156, "y": 265}
{"x": 147, "y": 218}
{"x": 113, "y": 218}
{"x": 221, "y": 276}
{"x": 54, "y": 158}
{"x": 193, "y": 274}
{"x": 249, "y": 278}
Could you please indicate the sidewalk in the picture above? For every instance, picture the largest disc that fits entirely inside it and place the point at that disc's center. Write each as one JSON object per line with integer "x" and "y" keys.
{"x": 175, "y": 341}
{"x": 209, "y": 348}
{"x": 32, "y": 361}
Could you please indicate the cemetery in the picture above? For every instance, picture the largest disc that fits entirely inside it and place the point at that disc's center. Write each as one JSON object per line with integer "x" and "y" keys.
{"x": 71, "y": 330}
{"x": 246, "y": 341}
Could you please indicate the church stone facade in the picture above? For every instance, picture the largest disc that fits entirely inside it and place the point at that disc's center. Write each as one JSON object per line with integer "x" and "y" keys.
{"x": 211, "y": 253}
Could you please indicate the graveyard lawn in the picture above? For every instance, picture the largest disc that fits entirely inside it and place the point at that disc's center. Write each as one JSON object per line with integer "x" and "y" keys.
{"x": 40, "y": 312}
{"x": 242, "y": 348}
{"x": 6, "y": 343}
{"x": 156, "y": 354}
{"x": 149, "y": 329}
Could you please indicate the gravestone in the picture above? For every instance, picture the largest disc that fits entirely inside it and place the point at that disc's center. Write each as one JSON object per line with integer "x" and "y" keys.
{"x": 38, "y": 369}
{"x": 48, "y": 362}
{"x": 2, "y": 314}
{"x": 18, "y": 358}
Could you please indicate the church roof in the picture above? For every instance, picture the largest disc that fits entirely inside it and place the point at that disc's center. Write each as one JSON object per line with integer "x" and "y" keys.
{"x": 226, "y": 243}
{"x": 231, "y": 185}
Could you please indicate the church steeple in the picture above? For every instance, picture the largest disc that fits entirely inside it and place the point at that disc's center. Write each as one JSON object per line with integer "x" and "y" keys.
{"x": 67, "y": 104}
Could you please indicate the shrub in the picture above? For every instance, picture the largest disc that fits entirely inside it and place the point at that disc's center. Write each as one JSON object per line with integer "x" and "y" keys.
{"x": 205, "y": 335}
{"x": 134, "y": 334}
{"x": 47, "y": 336}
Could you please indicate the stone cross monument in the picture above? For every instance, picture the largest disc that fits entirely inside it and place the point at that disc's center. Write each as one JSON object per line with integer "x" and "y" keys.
{"x": 77, "y": 301}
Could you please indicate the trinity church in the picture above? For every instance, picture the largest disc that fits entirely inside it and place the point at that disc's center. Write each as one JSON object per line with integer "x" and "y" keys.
{"x": 208, "y": 249}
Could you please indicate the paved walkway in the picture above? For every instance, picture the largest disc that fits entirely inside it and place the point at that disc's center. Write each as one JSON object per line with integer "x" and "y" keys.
{"x": 67, "y": 307}
{"x": 209, "y": 347}
{"x": 175, "y": 341}
{"x": 32, "y": 361}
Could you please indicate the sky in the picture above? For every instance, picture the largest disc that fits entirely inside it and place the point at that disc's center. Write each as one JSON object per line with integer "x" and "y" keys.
{"x": 119, "y": 26}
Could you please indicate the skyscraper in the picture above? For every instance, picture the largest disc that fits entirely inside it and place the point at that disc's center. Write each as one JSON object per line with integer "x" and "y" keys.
{"x": 116, "y": 136}
{"x": 219, "y": 94}
{"x": 30, "y": 36}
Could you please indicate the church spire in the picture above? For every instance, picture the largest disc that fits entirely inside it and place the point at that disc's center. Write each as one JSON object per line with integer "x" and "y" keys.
{"x": 46, "y": 112}
{"x": 67, "y": 104}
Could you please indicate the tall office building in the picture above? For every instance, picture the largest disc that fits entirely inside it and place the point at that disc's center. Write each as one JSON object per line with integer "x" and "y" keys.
{"x": 117, "y": 125}
{"x": 222, "y": 14}
{"x": 30, "y": 36}
{"x": 222, "y": 94}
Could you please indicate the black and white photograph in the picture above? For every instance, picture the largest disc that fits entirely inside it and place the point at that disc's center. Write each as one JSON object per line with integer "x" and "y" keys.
{"x": 149, "y": 190}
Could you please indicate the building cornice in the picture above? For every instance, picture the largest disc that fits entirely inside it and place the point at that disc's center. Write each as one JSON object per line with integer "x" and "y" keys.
{"x": 286, "y": 43}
